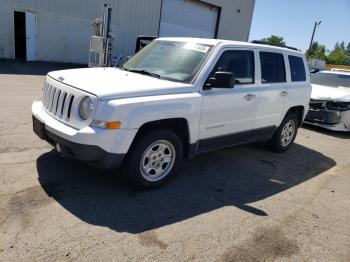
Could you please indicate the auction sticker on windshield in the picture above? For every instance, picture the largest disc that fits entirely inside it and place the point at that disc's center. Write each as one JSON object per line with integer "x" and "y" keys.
{"x": 197, "y": 47}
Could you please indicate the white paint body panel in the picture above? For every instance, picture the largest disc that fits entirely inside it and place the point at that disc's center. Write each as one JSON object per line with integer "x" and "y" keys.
{"x": 110, "y": 83}
{"x": 136, "y": 99}
{"x": 341, "y": 94}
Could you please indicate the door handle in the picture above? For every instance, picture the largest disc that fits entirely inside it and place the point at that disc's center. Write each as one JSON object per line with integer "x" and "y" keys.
{"x": 284, "y": 93}
{"x": 249, "y": 97}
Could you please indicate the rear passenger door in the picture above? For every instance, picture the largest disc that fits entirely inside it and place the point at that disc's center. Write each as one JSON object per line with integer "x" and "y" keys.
{"x": 272, "y": 89}
{"x": 299, "y": 88}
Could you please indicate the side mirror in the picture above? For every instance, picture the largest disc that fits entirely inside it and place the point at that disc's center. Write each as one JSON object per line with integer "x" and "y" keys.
{"x": 221, "y": 80}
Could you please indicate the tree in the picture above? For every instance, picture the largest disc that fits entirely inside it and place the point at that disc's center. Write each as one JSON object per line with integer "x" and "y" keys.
{"x": 318, "y": 51}
{"x": 338, "y": 57}
{"x": 342, "y": 45}
{"x": 275, "y": 40}
{"x": 336, "y": 46}
{"x": 314, "y": 47}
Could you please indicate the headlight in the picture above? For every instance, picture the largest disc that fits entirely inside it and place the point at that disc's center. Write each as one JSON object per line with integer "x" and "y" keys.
{"x": 86, "y": 107}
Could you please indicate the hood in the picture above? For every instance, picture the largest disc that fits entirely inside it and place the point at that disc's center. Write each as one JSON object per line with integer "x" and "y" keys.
{"x": 337, "y": 94}
{"x": 112, "y": 83}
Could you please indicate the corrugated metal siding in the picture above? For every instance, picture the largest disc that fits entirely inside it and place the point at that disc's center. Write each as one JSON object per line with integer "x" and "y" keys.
{"x": 234, "y": 25}
{"x": 64, "y": 26}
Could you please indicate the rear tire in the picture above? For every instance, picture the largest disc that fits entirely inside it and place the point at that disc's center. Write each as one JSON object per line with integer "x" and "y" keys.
{"x": 154, "y": 159}
{"x": 285, "y": 135}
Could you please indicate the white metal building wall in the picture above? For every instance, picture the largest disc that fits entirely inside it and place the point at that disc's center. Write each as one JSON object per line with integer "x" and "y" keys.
{"x": 236, "y": 18}
{"x": 64, "y": 26}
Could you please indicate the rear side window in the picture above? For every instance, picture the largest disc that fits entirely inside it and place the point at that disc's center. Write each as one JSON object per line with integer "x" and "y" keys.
{"x": 272, "y": 68}
{"x": 297, "y": 68}
{"x": 239, "y": 62}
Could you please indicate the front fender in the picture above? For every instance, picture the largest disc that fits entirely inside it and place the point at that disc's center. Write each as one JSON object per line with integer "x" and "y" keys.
{"x": 135, "y": 112}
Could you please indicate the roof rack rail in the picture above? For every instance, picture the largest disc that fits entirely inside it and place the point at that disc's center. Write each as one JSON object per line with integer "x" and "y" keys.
{"x": 266, "y": 43}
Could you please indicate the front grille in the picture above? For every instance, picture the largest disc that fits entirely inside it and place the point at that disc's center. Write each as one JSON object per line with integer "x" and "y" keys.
{"x": 322, "y": 117}
{"x": 57, "y": 102}
{"x": 61, "y": 101}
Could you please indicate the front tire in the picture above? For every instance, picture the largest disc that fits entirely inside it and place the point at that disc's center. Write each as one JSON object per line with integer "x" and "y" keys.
{"x": 154, "y": 159}
{"x": 285, "y": 135}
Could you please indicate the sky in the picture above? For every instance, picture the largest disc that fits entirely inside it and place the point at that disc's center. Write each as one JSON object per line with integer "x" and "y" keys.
{"x": 294, "y": 21}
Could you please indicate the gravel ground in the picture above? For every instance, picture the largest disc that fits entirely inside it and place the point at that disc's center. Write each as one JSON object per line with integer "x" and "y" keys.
{"x": 238, "y": 204}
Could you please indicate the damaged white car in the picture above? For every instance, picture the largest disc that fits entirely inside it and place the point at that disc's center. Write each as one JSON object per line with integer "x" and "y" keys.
{"x": 330, "y": 100}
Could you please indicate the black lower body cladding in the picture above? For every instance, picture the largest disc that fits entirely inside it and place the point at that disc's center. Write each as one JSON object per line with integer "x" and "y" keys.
{"x": 92, "y": 155}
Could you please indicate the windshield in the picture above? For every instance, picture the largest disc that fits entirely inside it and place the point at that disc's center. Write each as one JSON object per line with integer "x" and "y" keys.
{"x": 176, "y": 61}
{"x": 332, "y": 80}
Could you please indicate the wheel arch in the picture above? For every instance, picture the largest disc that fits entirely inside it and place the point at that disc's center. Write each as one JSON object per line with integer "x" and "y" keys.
{"x": 179, "y": 125}
{"x": 299, "y": 111}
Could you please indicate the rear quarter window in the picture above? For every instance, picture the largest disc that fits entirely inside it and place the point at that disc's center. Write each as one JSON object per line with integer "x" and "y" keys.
{"x": 272, "y": 68}
{"x": 297, "y": 68}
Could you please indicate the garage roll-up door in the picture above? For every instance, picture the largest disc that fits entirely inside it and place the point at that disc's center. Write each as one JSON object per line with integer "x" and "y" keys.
{"x": 189, "y": 18}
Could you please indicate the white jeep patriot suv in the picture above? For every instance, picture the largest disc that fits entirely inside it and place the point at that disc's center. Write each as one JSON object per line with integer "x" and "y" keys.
{"x": 176, "y": 98}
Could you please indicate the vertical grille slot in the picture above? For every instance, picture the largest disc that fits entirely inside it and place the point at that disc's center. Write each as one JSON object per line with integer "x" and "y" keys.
{"x": 46, "y": 95}
{"x": 52, "y": 98}
{"x": 54, "y": 102}
{"x": 58, "y": 99}
{"x": 63, "y": 103}
{"x": 70, "y": 106}
{"x": 60, "y": 104}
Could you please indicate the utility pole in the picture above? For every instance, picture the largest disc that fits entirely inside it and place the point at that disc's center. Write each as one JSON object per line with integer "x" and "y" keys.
{"x": 312, "y": 37}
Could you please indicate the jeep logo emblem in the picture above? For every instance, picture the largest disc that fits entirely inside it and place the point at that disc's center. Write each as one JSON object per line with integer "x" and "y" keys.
{"x": 61, "y": 78}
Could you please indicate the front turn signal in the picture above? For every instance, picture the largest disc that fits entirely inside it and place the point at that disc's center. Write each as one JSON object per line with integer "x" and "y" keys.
{"x": 113, "y": 125}
{"x": 106, "y": 124}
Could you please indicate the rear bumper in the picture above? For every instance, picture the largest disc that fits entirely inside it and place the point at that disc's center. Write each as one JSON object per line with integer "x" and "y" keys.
{"x": 90, "y": 154}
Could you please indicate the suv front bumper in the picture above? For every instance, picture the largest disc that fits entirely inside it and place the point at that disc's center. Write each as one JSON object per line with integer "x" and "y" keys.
{"x": 92, "y": 155}
{"x": 98, "y": 147}
{"x": 329, "y": 119}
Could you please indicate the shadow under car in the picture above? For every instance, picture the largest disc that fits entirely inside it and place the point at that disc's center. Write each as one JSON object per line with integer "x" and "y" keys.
{"x": 235, "y": 176}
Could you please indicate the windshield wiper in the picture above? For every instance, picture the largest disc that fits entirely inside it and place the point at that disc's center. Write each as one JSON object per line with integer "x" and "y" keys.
{"x": 144, "y": 72}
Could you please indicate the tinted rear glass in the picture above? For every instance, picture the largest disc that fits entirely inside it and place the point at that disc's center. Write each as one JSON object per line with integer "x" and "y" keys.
{"x": 272, "y": 68}
{"x": 297, "y": 68}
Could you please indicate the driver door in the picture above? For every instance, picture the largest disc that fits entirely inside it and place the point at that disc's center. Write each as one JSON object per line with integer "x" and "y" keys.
{"x": 228, "y": 114}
